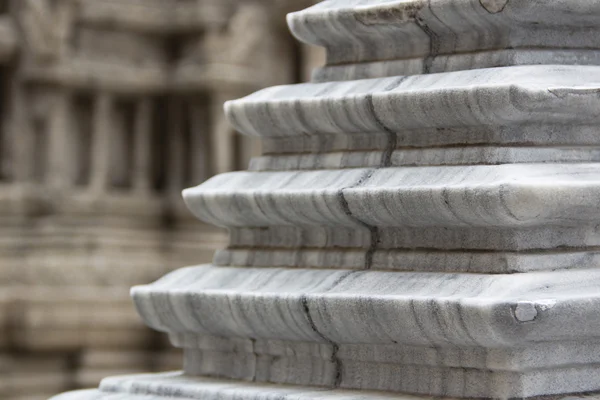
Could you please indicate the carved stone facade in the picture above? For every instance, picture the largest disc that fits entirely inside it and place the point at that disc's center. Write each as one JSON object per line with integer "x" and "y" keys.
{"x": 109, "y": 109}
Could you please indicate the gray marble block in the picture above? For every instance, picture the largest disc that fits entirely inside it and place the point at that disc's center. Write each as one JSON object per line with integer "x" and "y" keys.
{"x": 424, "y": 220}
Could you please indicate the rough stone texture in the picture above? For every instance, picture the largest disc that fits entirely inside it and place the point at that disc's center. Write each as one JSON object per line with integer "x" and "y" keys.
{"x": 109, "y": 109}
{"x": 431, "y": 230}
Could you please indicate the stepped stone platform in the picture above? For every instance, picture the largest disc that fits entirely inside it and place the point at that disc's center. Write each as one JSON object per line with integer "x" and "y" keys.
{"x": 424, "y": 220}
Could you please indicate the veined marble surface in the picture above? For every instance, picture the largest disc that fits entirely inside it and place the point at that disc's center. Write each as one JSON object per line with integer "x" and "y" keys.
{"x": 378, "y": 307}
{"x": 407, "y": 37}
{"x": 495, "y": 97}
{"x": 501, "y": 196}
{"x": 464, "y": 335}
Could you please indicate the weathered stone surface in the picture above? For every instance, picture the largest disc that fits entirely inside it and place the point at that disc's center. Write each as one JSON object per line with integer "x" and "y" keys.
{"x": 388, "y": 38}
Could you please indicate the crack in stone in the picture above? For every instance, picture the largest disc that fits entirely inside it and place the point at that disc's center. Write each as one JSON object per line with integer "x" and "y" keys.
{"x": 385, "y": 162}
{"x": 337, "y": 379}
{"x": 434, "y": 41}
{"x": 256, "y": 355}
{"x": 373, "y": 230}
{"x": 335, "y": 347}
{"x": 386, "y": 158}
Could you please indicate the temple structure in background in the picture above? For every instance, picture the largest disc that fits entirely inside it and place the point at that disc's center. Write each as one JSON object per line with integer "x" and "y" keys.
{"x": 109, "y": 109}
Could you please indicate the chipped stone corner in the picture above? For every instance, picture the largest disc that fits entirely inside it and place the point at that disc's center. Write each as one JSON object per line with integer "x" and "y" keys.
{"x": 493, "y": 6}
{"x": 528, "y": 311}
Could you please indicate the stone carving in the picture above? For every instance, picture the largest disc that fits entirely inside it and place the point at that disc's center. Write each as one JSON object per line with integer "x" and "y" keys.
{"x": 47, "y": 27}
{"x": 104, "y": 120}
{"x": 423, "y": 221}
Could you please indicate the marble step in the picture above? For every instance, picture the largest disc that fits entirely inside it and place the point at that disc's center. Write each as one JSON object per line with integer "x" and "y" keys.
{"x": 177, "y": 385}
{"x": 439, "y": 334}
{"x": 511, "y": 207}
{"x": 478, "y": 33}
{"x": 430, "y": 309}
{"x": 494, "y": 116}
{"x": 503, "y": 196}
{"x": 543, "y": 94}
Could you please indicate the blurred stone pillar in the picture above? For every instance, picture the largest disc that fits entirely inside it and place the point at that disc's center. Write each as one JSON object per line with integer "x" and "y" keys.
{"x": 175, "y": 146}
{"x": 61, "y": 144}
{"x": 101, "y": 142}
{"x": 20, "y": 136}
{"x": 199, "y": 131}
{"x": 142, "y": 146}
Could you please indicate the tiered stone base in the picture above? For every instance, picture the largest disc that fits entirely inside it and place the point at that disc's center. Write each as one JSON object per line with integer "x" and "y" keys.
{"x": 175, "y": 385}
{"x": 433, "y": 229}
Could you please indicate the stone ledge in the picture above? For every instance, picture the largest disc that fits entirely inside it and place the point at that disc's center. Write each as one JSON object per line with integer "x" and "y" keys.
{"x": 378, "y": 307}
{"x": 372, "y": 30}
{"x": 175, "y": 385}
{"x": 502, "y": 196}
{"x": 499, "y": 97}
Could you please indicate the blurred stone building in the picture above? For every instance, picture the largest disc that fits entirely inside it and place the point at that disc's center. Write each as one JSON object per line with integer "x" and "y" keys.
{"x": 109, "y": 108}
